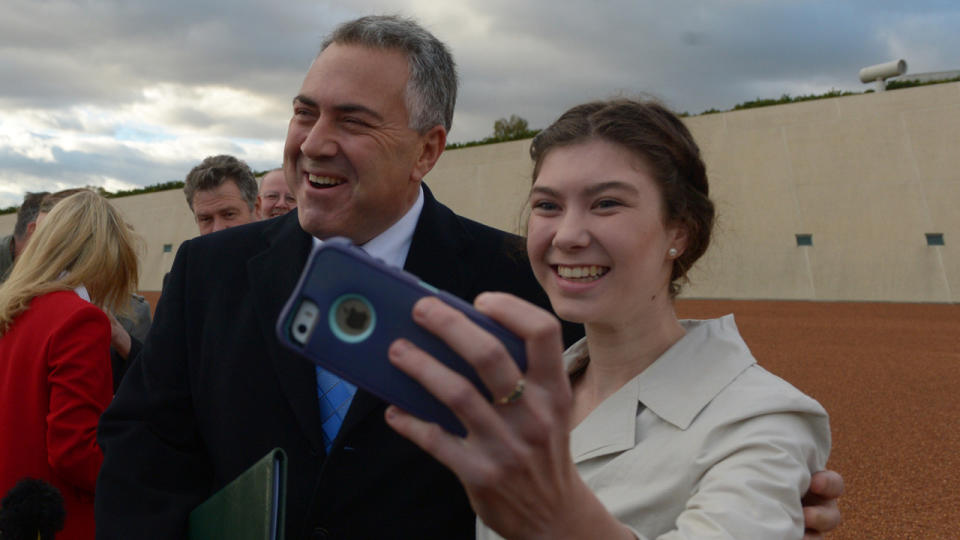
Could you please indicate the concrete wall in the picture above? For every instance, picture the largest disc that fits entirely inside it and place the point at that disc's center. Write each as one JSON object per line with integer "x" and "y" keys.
{"x": 867, "y": 176}
{"x": 164, "y": 220}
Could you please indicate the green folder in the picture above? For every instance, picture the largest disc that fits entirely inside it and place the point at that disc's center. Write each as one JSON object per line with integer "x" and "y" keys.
{"x": 250, "y": 507}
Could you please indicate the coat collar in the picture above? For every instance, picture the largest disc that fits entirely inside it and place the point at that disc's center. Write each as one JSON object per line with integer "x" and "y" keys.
{"x": 273, "y": 274}
{"x": 435, "y": 256}
{"x": 676, "y": 387}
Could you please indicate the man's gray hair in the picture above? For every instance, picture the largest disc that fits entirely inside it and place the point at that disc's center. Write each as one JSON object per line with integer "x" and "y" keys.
{"x": 27, "y": 213}
{"x": 213, "y": 171}
{"x": 431, "y": 93}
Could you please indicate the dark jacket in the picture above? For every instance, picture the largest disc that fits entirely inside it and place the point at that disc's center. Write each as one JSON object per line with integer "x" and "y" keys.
{"x": 213, "y": 391}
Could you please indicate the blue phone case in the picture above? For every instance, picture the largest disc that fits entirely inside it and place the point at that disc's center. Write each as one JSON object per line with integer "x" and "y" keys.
{"x": 349, "y": 307}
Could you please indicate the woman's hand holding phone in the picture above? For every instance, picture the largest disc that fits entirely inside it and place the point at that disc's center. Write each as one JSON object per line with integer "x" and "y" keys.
{"x": 515, "y": 460}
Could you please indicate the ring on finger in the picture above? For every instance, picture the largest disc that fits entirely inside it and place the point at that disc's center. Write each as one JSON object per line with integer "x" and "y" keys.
{"x": 515, "y": 394}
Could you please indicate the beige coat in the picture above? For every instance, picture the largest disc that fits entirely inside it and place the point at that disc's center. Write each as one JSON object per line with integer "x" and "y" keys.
{"x": 704, "y": 443}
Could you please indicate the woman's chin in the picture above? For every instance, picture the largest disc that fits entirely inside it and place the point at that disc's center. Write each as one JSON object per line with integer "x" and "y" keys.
{"x": 571, "y": 314}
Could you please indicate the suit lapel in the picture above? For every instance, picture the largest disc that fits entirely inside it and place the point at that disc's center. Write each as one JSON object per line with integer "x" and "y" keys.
{"x": 435, "y": 257}
{"x": 438, "y": 249}
{"x": 274, "y": 273}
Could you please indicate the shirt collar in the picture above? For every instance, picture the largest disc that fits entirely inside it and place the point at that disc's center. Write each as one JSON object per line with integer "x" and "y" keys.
{"x": 81, "y": 290}
{"x": 393, "y": 244}
{"x": 679, "y": 384}
{"x": 82, "y": 293}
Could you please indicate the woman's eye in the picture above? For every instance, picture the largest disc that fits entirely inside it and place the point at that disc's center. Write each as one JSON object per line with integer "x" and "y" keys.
{"x": 544, "y": 205}
{"x": 607, "y": 203}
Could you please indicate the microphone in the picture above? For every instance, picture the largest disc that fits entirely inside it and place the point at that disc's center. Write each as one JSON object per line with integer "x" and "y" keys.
{"x": 31, "y": 510}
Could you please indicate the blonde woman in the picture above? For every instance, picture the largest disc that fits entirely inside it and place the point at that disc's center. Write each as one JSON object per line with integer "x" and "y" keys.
{"x": 55, "y": 375}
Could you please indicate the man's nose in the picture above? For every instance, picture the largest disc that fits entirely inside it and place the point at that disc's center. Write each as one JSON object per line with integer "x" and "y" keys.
{"x": 320, "y": 141}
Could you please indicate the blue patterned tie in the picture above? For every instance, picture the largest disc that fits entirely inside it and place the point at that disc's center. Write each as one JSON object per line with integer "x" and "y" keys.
{"x": 335, "y": 397}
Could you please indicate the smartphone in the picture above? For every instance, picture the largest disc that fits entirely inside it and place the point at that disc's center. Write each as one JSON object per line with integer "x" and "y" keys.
{"x": 347, "y": 309}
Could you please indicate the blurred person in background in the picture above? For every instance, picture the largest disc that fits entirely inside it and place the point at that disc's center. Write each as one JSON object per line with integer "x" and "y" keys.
{"x": 55, "y": 374}
{"x": 222, "y": 193}
{"x": 11, "y": 246}
{"x": 275, "y": 198}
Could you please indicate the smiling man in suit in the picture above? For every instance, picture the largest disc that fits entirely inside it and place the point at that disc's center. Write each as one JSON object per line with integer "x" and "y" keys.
{"x": 213, "y": 390}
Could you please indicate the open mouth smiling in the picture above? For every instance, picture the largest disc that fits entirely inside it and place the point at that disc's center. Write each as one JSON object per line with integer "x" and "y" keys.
{"x": 581, "y": 273}
{"x": 324, "y": 181}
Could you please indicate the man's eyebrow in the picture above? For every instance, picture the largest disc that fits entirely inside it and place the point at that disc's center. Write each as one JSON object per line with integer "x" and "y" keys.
{"x": 342, "y": 108}
{"x": 357, "y": 108}
{"x": 305, "y": 100}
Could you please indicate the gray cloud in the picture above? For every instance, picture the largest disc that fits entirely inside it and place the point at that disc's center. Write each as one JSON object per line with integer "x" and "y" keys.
{"x": 83, "y": 168}
{"x": 532, "y": 58}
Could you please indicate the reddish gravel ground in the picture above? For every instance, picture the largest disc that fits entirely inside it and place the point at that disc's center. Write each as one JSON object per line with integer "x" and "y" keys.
{"x": 889, "y": 375}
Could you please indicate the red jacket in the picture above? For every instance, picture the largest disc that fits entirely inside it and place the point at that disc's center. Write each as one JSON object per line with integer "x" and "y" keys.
{"x": 55, "y": 381}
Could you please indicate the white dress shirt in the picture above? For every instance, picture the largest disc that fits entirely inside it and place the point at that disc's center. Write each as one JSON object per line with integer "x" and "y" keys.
{"x": 704, "y": 443}
{"x": 393, "y": 244}
{"x": 82, "y": 292}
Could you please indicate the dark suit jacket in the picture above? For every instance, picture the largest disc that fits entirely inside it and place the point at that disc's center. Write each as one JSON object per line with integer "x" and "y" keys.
{"x": 137, "y": 325}
{"x": 213, "y": 391}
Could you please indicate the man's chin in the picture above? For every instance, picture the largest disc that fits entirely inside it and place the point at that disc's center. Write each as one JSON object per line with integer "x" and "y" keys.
{"x": 318, "y": 228}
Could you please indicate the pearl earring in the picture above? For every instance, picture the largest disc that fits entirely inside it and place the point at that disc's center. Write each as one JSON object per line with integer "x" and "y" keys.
{"x": 672, "y": 252}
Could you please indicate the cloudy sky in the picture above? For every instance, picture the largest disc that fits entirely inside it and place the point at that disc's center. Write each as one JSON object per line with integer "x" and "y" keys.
{"x": 128, "y": 93}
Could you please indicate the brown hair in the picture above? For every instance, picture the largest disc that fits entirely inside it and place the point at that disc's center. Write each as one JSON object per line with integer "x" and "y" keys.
{"x": 51, "y": 199}
{"x": 213, "y": 171}
{"x": 27, "y": 213}
{"x": 663, "y": 142}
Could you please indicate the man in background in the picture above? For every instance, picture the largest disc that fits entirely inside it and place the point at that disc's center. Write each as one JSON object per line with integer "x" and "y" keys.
{"x": 222, "y": 193}
{"x": 274, "y": 198}
{"x": 11, "y": 246}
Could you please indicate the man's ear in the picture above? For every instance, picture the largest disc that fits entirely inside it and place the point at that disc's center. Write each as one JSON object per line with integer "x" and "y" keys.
{"x": 256, "y": 209}
{"x": 20, "y": 245}
{"x": 432, "y": 144}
